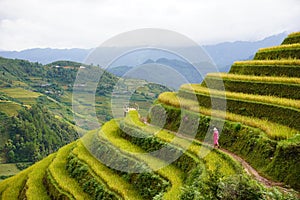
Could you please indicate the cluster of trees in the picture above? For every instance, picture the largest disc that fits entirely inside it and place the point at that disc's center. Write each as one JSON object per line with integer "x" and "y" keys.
{"x": 55, "y": 76}
{"x": 33, "y": 134}
{"x": 237, "y": 186}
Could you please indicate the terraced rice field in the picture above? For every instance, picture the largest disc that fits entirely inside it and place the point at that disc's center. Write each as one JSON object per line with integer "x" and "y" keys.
{"x": 25, "y": 96}
{"x": 9, "y": 107}
{"x": 261, "y": 129}
{"x": 262, "y": 100}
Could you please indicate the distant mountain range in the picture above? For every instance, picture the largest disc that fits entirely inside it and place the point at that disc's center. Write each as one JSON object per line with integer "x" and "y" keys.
{"x": 48, "y": 55}
{"x": 223, "y": 54}
{"x": 169, "y": 72}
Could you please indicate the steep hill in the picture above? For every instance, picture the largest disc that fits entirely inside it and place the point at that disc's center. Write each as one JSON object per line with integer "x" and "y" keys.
{"x": 104, "y": 163}
{"x": 262, "y": 109}
{"x": 29, "y": 129}
{"x": 24, "y": 82}
{"x": 87, "y": 169}
{"x": 36, "y": 118}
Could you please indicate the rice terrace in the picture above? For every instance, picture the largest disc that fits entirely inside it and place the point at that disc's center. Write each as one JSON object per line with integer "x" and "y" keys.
{"x": 44, "y": 154}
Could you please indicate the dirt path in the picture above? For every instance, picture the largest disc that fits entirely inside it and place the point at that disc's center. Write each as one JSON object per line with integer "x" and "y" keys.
{"x": 246, "y": 166}
{"x": 251, "y": 171}
{"x": 254, "y": 174}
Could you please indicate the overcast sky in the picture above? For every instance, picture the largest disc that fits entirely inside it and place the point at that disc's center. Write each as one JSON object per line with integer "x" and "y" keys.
{"x": 87, "y": 23}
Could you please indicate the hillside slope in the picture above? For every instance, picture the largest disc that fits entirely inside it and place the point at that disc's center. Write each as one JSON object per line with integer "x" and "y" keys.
{"x": 29, "y": 129}
{"x": 36, "y": 118}
{"x": 87, "y": 169}
{"x": 262, "y": 110}
{"x": 104, "y": 163}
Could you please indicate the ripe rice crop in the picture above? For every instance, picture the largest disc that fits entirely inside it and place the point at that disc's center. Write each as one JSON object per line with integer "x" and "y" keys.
{"x": 294, "y": 34}
{"x": 255, "y": 78}
{"x": 197, "y": 88}
{"x": 269, "y": 62}
{"x": 59, "y": 173}
{"x": 36, "y": 189}
{"x": 170, "y": 172}
{"x": 280, "y": 48}
{"x": 273, "y": 130}
{"x": 113, "y": 180}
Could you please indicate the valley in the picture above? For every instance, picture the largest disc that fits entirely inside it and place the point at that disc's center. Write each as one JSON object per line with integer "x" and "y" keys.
{"x": 36, "y": 107}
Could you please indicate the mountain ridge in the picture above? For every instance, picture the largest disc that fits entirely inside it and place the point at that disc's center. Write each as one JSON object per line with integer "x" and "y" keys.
{"x": 244, "y": 49}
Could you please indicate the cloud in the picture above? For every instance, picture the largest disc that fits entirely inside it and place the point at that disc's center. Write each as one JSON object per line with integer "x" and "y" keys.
{"x": 87, "y": 23}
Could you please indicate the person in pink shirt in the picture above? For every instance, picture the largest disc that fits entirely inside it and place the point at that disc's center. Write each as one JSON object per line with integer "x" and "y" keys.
{"x": 216, "y": 137}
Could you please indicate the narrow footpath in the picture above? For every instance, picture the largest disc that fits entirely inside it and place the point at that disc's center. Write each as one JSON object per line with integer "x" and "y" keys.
{"x": 246, "y": 166}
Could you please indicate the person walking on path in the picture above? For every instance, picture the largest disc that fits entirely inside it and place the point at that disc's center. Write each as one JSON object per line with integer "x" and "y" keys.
{"x": 216, "y": 137}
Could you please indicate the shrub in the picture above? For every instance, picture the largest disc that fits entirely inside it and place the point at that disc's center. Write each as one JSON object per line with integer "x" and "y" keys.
{"x": 22, "y": 166}
{"x": 266, "y": 155}
{"x": 147, "y": 187}
{"x": 241, "y": 187}
{"x": 53, "y": 189}
{"x": 80, "y": 171}
{"x": 152, "y": 144}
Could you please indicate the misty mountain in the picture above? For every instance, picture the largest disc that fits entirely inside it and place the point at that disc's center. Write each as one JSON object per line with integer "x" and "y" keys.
{"x": 48, "y": 55}
{"x": 223, "y": 54}
{"x": 169, "y": 72}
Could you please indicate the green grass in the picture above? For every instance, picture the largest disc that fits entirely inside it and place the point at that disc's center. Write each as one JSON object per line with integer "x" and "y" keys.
{"x": 59, "y": 109}
{"x": 35, "y": 188}
{"x": 113, "y": 180}
{"x": 9, "y": 107}
{"x": 26, "y": 96}
{"x": 20, "y": 93}
{"x": 273, "y": 130}
{"x": 13, "y": 186}
{"x": 8, "y": 169}
{"x": 3, "y": 140}
{"x": 58, "y": 171}
{"x": 170, "y": 172}
{"x": 19, "y": 84}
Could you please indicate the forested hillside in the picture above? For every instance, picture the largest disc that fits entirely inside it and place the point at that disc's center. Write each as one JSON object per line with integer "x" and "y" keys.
{"x": 35, "y": 107}
{"x": 33, "y": 134}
